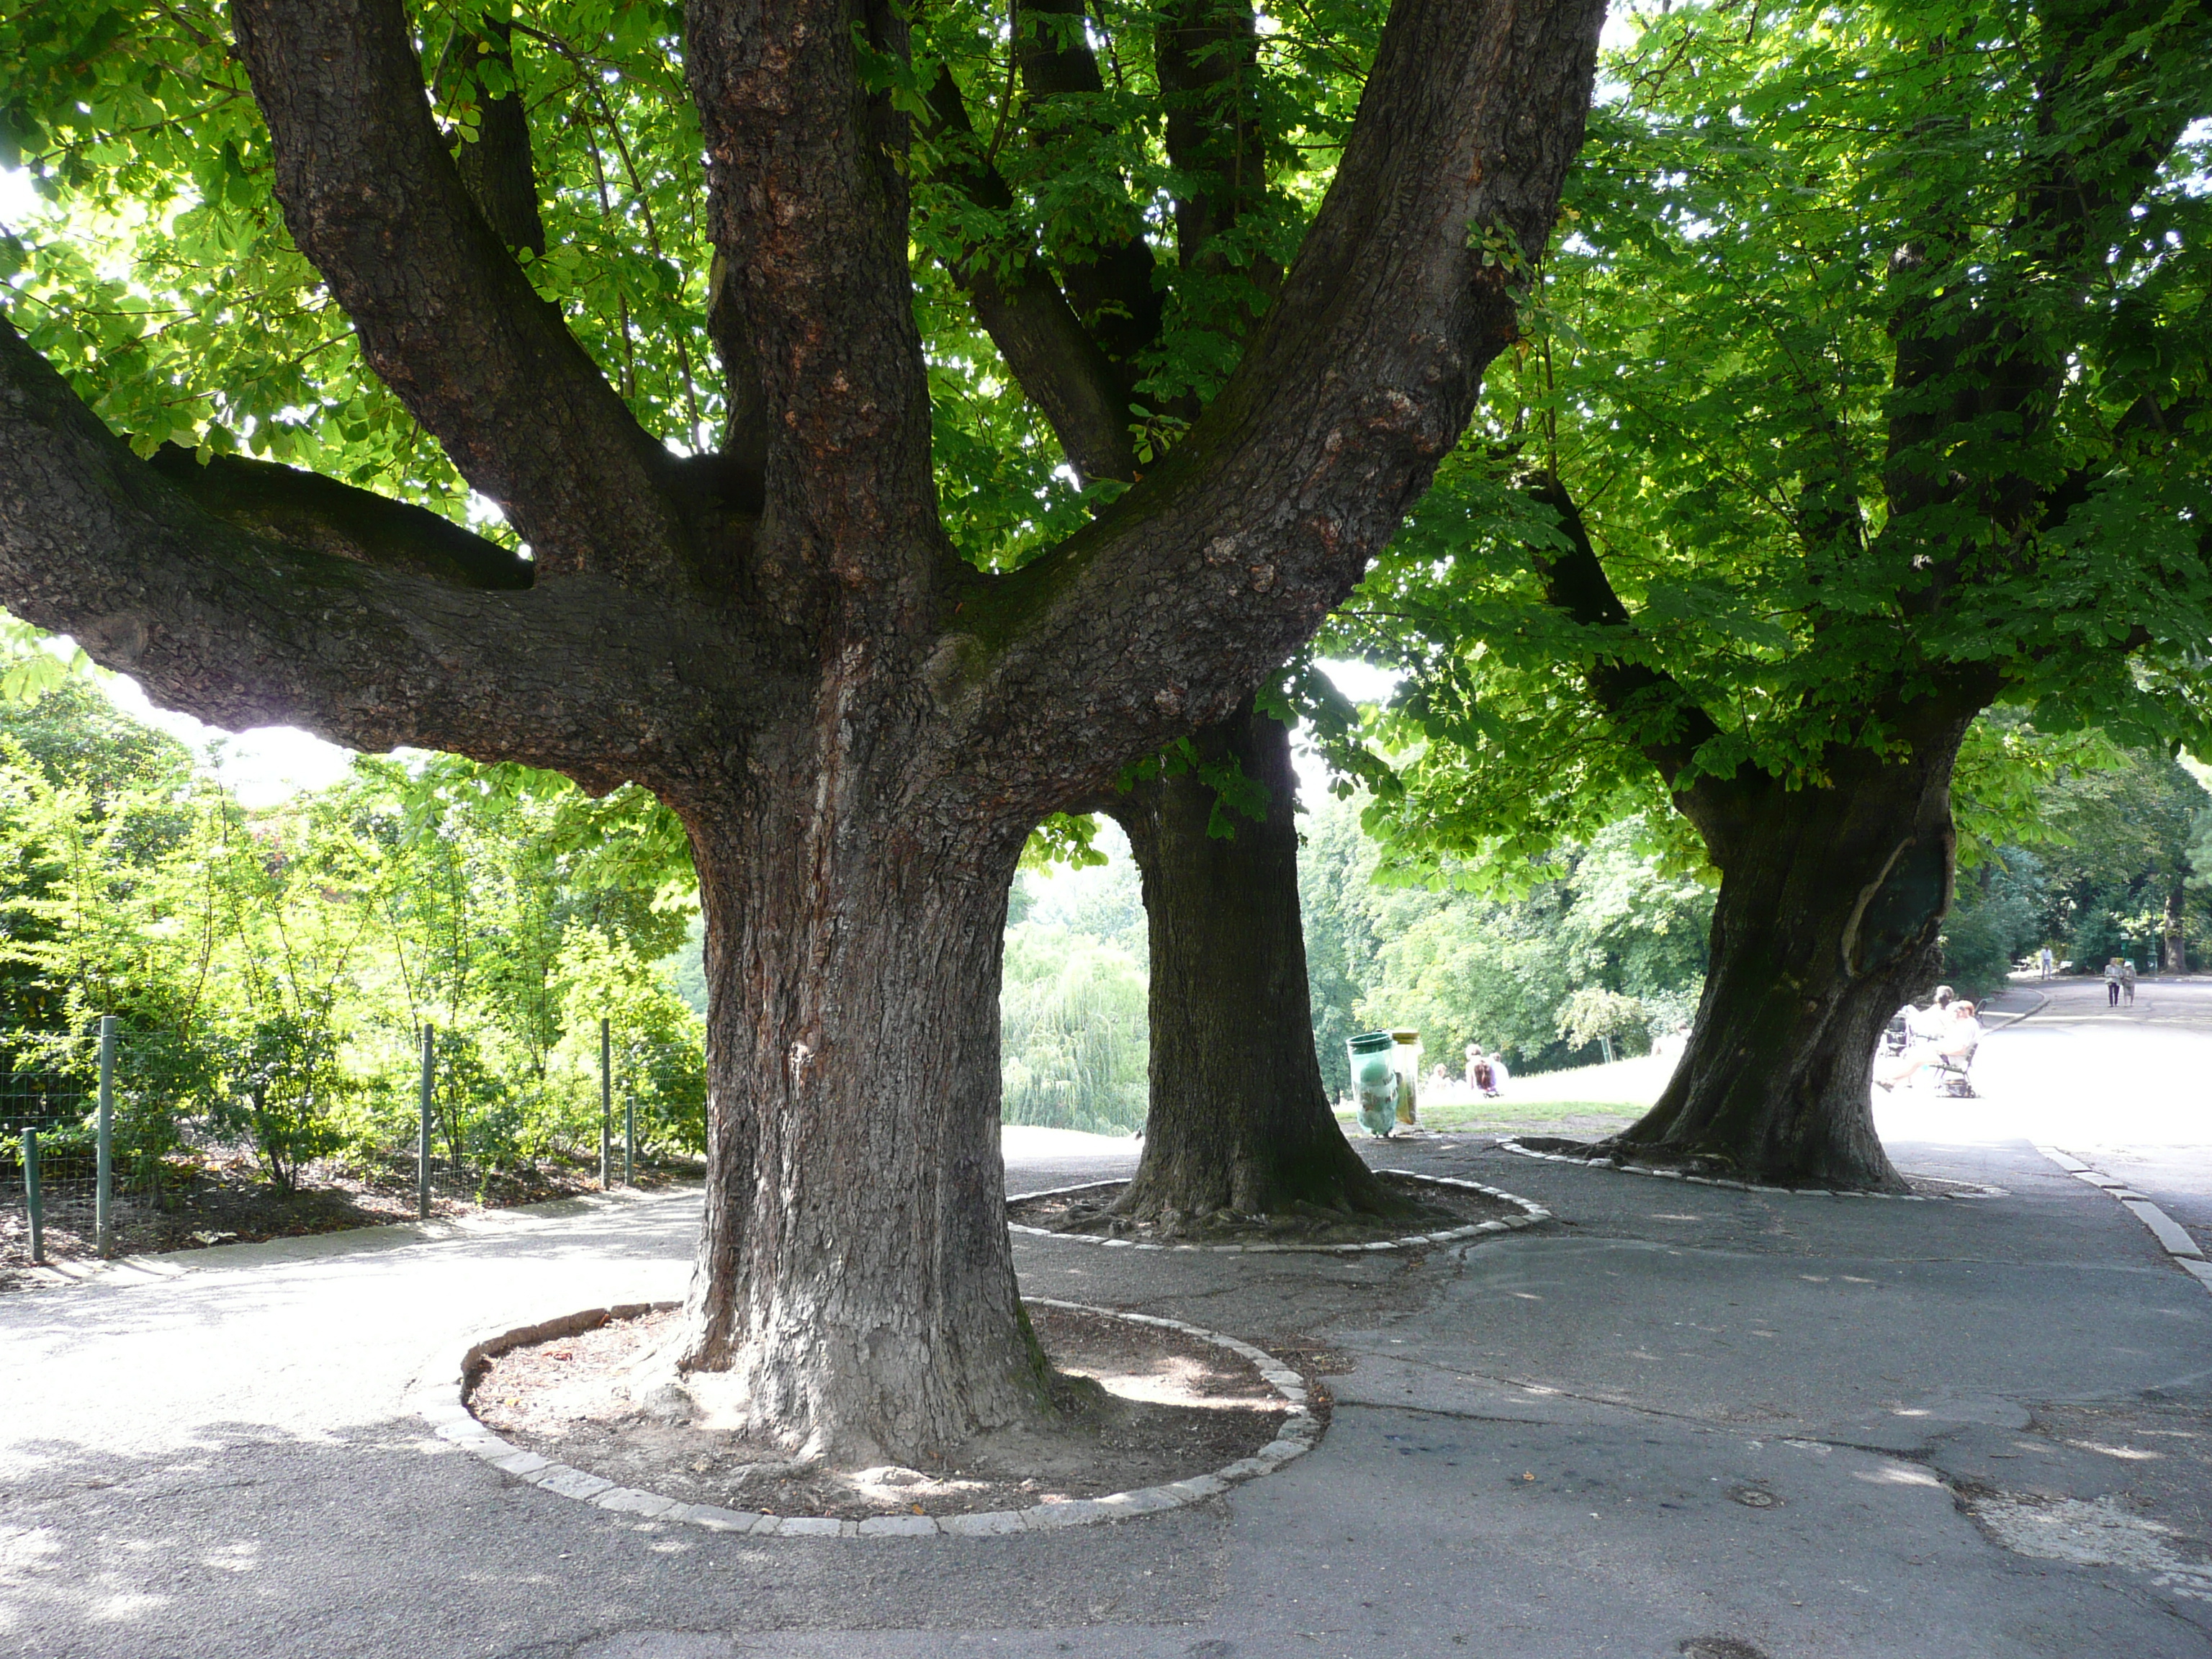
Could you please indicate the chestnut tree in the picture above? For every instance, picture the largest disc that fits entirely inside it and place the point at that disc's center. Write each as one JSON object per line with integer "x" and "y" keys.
{"x": 775, "y": 632}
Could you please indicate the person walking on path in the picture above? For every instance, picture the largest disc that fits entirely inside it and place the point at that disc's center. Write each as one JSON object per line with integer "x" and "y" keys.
{"x": 2044, "y": 962}
{"x": 2113, "y": 983}
{"x": 2128, "y": 981}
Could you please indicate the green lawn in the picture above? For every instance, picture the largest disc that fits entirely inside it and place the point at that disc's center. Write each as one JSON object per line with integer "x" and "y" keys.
{"x": 1536, "y": 1116}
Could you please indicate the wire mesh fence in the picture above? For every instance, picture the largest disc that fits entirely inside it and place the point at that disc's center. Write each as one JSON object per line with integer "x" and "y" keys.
{"x": 90, "y": 1140}
{"x": 122, "y": 1140}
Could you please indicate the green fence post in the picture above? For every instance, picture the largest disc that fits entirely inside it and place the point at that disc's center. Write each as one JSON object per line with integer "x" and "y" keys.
{"x": 33, "y": 1199}
{"x": 422, "y": 1135}
{"x": 103, "y": 1190}
{"x": 629, "y": 1137}
{"x": 606, "y": 1102}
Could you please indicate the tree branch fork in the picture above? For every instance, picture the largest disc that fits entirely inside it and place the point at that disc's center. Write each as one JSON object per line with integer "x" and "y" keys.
{"x": 673, "y": 609}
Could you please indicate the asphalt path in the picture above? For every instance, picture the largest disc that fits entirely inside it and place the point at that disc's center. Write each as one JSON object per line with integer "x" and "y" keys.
{"x": 1681, "y": 1419}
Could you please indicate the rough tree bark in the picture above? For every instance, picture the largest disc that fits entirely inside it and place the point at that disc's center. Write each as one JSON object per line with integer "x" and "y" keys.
{"x": 1238, "y": 1116}
{"x": 1240, "y": 1119}
{"x": 858, "y": 728}
{"x": 1827, "y": 919}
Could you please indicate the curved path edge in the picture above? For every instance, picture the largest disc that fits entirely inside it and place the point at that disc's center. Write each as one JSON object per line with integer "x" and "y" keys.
{"x": 2183, "y": 1251}
{"x": 1969, "y": 1189}
{"x": 441, "y": 1402}
{"x": 1531, "y": 1213}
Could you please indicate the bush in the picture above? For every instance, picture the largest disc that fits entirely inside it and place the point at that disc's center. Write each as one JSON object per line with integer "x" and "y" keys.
{"x": 284, "y": 1080}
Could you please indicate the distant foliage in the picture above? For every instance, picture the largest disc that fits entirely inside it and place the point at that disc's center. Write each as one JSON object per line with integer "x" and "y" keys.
{"x": 1997, "y": 918}
{"x": 1462, "y": 967}
{"x": 281, "y": 963}
{"x": 1073, "y": 1032}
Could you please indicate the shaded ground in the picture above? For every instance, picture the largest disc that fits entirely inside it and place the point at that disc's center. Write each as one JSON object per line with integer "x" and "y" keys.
{"x": 1423, "y": 1207}
{"x": 1971, "y": 1418}
{"x": 1646, "y": 1160}
{"x": 1139, "y": 1406}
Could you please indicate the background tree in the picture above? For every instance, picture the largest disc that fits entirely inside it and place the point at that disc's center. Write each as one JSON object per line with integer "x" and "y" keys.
{"x": 1435, "y": 949}
{"x": 121, "y": 780}
{"x": 1240, "y": 1121}
{"x": 1868, "y": 391}
{"x": 857, "y": 726}
{"x": 1119, "y": 328}
{"x": 2114, "y": 880}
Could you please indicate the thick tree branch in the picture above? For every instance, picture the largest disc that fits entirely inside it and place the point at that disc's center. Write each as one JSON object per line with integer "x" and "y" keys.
{"x": 220, "y": 612}
{"x": 745, "y": 429}
{"x": 1361, "y": 377}
{"x": 1648, "y": 708}
{"x": 1057, "y": 364}
{"x": 1109, "y": 285}
{"x": 445, "y": 314}
{"x": 306, "y": 510}
{"x": 496, "y": 165}
{"x": 809, "y": 211}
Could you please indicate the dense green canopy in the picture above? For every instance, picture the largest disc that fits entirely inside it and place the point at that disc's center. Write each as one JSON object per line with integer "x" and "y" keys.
{"x": 1874, "y": 363}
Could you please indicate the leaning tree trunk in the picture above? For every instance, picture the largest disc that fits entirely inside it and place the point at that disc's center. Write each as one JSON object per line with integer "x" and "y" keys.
{"x": 854, "y": 1276}
{"x": 1240, "y": 1119}
{"x": 1827, "y": 920}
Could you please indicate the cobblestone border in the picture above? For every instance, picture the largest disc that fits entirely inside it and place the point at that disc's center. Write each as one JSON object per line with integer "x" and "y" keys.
{"x": 1531, "y": 1213}
{"x": 440, "y": 1403}
{"x": 2183, "y": 1250}
{"x": 1970, "y": 1189}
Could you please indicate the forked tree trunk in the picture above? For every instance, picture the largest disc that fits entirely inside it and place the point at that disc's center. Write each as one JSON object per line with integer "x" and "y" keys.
{"x": 1240, "y": 1119}
{"x": 857, "y": 727}
{"x": 1827, "y": 920}
{"x": 854, "y": 1276}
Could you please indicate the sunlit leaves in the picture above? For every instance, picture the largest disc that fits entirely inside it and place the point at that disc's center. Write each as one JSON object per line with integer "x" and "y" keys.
{"x": 1874, "y": 355}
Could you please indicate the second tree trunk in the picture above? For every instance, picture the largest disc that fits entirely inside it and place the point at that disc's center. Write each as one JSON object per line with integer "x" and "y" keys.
{"x": 1240, "y": 1119}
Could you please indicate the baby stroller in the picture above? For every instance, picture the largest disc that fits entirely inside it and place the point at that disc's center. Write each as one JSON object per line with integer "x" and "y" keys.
{"x": 1895, "y": 1037}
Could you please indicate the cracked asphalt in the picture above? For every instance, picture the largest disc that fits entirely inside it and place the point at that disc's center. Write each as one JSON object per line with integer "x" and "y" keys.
{"x": 1682, "y": 1415}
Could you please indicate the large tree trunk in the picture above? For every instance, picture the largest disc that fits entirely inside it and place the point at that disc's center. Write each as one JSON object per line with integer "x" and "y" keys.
{"x": 1240, "y": 1119}
{"x": 1827, "y": 920}
{"x": 858, "y": 727}
{"x": 854, "y": 1276}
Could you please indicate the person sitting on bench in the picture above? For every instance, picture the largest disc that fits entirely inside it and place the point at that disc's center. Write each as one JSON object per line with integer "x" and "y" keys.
{"x": 1952, "y": 1050}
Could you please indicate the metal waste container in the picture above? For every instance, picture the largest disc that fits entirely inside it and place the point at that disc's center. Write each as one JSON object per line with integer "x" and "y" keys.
{"x": 1375, "y": 1079}
{"x": 1406, "y": 1056}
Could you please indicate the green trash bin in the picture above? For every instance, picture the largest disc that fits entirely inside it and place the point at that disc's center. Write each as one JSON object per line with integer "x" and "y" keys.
{"x": 1374, "y": 1080}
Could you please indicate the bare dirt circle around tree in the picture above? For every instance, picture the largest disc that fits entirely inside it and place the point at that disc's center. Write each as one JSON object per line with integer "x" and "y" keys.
{"x": 1156, "y": 1413}
{"x": 1441, "y": 1210}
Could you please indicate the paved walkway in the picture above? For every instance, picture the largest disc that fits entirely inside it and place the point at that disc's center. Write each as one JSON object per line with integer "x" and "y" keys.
{"x": 1685, "y": 1415}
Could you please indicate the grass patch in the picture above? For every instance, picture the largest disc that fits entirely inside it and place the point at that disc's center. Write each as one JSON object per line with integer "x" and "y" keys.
{"x": 1510, "y": 1115}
